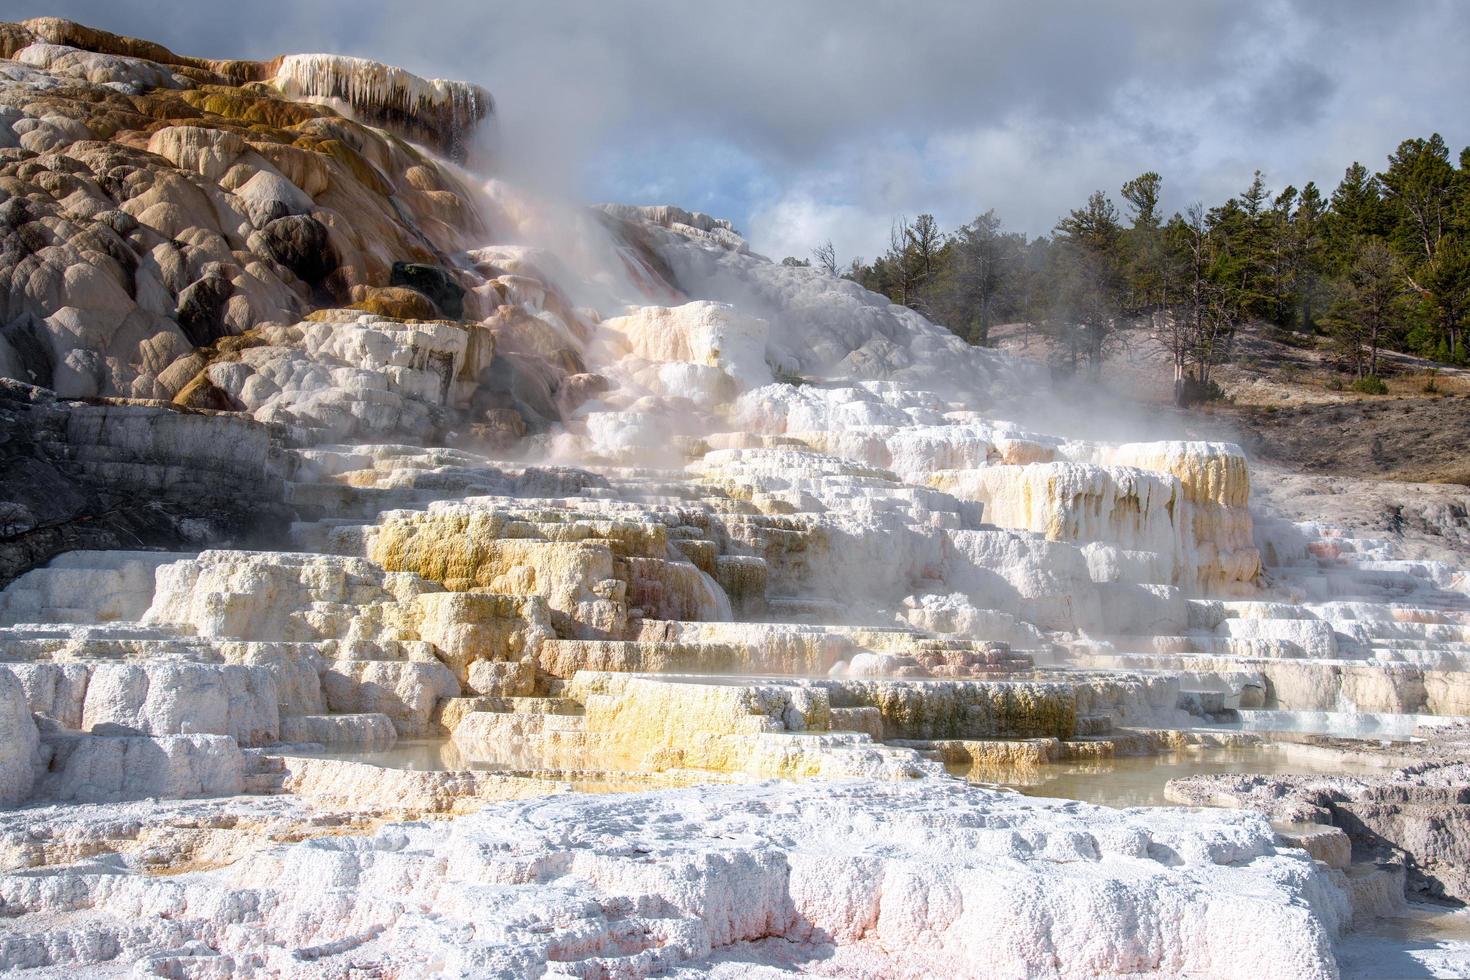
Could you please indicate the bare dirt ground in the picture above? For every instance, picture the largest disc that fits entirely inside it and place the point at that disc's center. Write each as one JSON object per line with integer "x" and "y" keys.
{"x": 1426, "y": 520}
{"x": 1418, "y": 440}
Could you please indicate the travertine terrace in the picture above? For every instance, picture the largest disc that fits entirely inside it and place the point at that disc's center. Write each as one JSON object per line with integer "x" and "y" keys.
{"x": 714, "y": 586}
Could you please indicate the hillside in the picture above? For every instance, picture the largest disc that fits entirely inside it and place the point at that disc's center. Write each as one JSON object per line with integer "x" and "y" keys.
{"x": 1287, "y": 401}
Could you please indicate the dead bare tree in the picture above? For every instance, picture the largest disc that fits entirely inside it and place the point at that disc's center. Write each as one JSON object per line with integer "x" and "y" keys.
{"x": 826, "y": 257}
{"x": 1195, "y": 330}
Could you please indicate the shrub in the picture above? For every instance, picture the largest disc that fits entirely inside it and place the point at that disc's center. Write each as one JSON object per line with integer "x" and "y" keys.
{"x": 1371, "y": 385}
{"x": 1431, "y": 384}
{"x": 1195, "y": 393}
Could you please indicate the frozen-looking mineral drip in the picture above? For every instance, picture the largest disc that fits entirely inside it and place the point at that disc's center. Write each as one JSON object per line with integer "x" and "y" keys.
{"x": 433, "y": 111}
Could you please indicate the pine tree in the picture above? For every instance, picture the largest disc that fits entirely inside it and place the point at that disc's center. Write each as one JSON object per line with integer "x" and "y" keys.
{"x": 1357, "y": 213}
{"x": 922, "y": 242}
{"x": 1243, "y": 237}
{"x": 1278, "y": 257}
{"x": 1146, "y": 272}
{"x": 1308, "y": 253}
{"x": 1090, "y": 266}
{"x": 1366, "y": 316}
{"x": 1426, "y": 198}
{"x": 1419, "y": 186}
{"x": 977, "y": 278}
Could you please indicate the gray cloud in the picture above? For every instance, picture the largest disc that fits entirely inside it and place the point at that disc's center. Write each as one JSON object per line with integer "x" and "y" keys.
{"x": 807, "y": 119}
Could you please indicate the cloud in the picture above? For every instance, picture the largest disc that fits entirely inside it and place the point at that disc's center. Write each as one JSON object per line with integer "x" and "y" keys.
{"x": 797, "y": 222}
{"x": 804, "y": 121}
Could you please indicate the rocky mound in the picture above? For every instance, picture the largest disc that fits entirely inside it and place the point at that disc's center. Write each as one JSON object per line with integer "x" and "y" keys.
{"x": 153, "y": 205}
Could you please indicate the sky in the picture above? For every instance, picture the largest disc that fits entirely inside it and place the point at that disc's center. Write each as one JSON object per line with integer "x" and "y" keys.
{"x": 808, "y": 120}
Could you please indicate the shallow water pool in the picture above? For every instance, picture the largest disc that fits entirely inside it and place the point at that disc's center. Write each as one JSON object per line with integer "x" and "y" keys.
{"x": 1140, "y": 780}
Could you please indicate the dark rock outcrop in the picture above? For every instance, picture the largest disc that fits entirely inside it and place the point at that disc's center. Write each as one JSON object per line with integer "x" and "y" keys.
{"x": 434, "y": 283}
{"x": 302, "y": 244}
{"x": 201, "y": 309}
{"x": 119, "y": 474}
